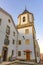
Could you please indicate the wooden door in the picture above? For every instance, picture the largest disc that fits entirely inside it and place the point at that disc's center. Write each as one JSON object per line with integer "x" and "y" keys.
{"x": 27, "y": 56}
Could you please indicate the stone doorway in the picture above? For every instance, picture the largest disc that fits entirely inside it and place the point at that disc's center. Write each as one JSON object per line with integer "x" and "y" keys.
{"x": 5, "y": 52}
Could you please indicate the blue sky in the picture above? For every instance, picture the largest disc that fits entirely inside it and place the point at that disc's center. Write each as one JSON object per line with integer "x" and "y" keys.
{"x": 15, "y": 7}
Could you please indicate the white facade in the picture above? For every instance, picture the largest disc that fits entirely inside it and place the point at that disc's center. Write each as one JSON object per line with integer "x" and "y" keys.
{"x": 11, "y": 46}
{"x": 28, "y": 24}
{"x": 25, "y": 46}
{"x": 5, "y": 17}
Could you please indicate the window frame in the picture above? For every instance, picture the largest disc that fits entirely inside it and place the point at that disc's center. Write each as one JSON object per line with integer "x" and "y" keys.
{"x": 6, "y": 40}
{"x": 26, "y": 31}
{"x": 9, "y": 21}
{"x": 12, "y": 52}
{"x": 19, "y": 53}
{"x": 19, "y": 42}
{"x": 13, "y": 42}
{"x": 27, "y": 41}
{"x": 13, "y": 33}
{"x": 8, "y": 29}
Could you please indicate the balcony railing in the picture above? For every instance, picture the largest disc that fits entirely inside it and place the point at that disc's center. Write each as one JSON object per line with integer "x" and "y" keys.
{"x": 6, "y": 41}
{"x": 8, "y": 32}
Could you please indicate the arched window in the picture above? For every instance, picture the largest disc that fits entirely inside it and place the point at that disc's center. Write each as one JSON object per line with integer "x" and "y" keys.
{"x": 23, "y": 19}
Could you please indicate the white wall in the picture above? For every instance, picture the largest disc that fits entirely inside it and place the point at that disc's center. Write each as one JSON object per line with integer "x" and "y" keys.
{"x": 3, "y": 26}
{"x": 25, "y": 46}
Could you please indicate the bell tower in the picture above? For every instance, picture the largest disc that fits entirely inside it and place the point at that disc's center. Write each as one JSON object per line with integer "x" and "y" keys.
{"x": 25, "y": 18}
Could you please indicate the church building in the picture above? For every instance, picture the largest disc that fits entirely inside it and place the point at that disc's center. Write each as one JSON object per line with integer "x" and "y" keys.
{"x": 18, "y": 41}
{"x": 27, "y": 37}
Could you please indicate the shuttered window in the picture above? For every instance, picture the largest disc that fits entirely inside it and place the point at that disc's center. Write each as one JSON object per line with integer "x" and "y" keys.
{"x": 19, "y": 53}
{"x": 27, "y": 41}
{"x": 26, "y": 31}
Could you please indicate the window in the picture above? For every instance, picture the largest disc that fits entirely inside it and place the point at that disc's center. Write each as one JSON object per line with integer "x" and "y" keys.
{"x": 6, "y": 41}
{"x": 26, "y": 31}
{"x": 8, "y": 30}
{"x": 9, "y": 20}
{"x": 13, "y": 33}
{"x": 23, "y": 19}
{"x": 27, "y": 41}
{"x": 0, "y": 21}
{"x": 19, "y": 53}
{"x": 19, "y": 42}
{"x": 7, "y": 37}
{"x": 12, "y": 52}
{"x": 13, "y": 41}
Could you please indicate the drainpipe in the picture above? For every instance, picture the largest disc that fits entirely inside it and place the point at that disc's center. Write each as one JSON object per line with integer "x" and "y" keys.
{"x": 34, "y": 48}
{"x": 17, "y": 45}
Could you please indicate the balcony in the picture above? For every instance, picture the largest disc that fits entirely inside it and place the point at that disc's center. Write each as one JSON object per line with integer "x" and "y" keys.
{"x": 8, "y": 32}
{"x": 6, "y": 41}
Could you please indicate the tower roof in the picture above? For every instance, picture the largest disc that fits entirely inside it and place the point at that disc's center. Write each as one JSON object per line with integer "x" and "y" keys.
{"x": 24, "y": 12}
